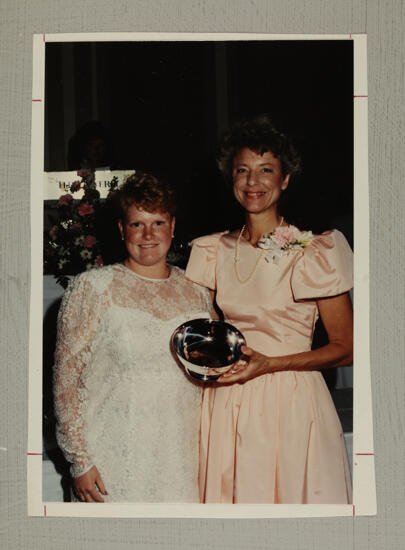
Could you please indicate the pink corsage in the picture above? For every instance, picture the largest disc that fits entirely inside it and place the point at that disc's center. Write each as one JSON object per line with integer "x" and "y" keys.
{"x": 284, "y": 240}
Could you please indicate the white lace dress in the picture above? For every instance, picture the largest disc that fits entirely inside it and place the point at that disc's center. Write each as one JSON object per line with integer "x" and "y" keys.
{"x": 122, "y": 402}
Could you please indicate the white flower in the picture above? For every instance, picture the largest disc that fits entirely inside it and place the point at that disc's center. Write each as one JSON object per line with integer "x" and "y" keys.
{"x": 266, "y": 242}
{"x": 305, "y": 238}
{"x": 283, "y": 240}
{"x": 85, "y": 254}
{"x": 274, "y": 255}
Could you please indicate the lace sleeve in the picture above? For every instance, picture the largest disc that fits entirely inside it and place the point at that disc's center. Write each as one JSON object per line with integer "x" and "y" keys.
{"x": 79, "y": 316}
{"x": 208, "y": 301}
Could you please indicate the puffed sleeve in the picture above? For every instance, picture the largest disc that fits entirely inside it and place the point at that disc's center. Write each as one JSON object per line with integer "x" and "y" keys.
{"x": 78, "y": 320}
{"x": 203, "y": 259}
{"x": 324, "y": 268}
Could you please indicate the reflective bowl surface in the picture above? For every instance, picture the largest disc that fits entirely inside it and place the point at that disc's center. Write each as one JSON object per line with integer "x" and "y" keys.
{"x": 207, "y": 347}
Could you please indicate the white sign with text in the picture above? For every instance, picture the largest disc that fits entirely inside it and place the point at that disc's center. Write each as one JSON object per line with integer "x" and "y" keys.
{"x": 59, "y": 183}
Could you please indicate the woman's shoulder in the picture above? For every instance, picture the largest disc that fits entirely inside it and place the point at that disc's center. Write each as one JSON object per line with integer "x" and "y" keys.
{"x": 329, "y": 248}
{"x": 211, "y": 240}
{"x": 177, "y": 273}
{"x": 324, "y": 267}
{"x": 332, "y": 240}
{"x": 98, "y": 278}
{"x": 203, "y": 259}
{"x": 330, "y": 233}
{"x": 179, "y": 278}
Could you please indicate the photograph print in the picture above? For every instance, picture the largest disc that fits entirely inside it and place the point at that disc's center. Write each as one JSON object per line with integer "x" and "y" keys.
{"x": 197, "y": 246}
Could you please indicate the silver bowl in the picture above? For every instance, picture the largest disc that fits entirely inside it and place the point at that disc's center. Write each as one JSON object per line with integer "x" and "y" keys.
{"x": 207, "y": 348}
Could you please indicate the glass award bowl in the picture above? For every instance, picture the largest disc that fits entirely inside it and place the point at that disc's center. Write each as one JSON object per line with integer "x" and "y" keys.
{"x": 207, "y": 348}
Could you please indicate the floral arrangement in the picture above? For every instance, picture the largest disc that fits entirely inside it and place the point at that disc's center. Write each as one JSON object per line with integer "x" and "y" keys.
{"x": 71, "y": 245}
{"x": 284, "y": 240}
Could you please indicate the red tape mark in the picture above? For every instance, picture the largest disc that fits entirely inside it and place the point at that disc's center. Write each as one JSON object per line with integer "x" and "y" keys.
{"x": 44, "y": 510}
{"x": 360, "y": 96}
{"x": 43, "y": 37}
{"x": 364, "y": 454}
{"x": 34, "y": 454}
{"x": 354, "y": 510}
{"x": 37, "y": 100}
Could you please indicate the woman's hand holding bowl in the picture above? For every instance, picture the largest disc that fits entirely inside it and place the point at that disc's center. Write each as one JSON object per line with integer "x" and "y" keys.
{"x": 251, "y": 364}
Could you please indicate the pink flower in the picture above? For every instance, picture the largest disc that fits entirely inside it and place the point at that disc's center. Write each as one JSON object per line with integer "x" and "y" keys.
{"x": 89, "y": 241}
{"x": 76, "y": 227}
{"x": 98, "y": 261}
{"x": 53, "y": 233}
{"x": 85, "y": 208}
{"x": 65, "y": 199}
{"x": 76, "y": 185}
{"x": 283, "y": 236}
{"x": 283, "y": 240}
{"x": 83, "y": 173}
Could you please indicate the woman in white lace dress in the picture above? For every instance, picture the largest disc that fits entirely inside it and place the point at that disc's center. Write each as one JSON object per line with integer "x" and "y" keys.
{"x": 127, "y": 415}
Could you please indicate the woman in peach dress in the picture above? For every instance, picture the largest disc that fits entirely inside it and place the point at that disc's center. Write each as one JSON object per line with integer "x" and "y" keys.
{"x": 270, "y": 432}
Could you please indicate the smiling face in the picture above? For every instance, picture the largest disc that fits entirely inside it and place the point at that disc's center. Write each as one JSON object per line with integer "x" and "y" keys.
{"x": 258, "y": 181}
{"x": 147, "y": 236}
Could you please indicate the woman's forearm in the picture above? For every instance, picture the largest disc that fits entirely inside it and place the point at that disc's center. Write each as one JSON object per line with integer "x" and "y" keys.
{"x": 256, "y": 364}
{"x": 337, "y": 316}
{"x": 333, "y": 354}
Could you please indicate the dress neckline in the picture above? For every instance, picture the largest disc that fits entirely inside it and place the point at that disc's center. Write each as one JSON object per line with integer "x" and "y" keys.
{"x": 151, "y": 279}
{"x": 243, "y": 239}
{"x": 235, "y": 235}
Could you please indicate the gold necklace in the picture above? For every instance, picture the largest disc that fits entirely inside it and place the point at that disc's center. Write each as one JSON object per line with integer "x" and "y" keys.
{"x": 236, "y": 257}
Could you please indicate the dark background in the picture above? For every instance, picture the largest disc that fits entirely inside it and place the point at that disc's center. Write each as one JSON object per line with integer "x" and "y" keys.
{"x": 164, "y": 106}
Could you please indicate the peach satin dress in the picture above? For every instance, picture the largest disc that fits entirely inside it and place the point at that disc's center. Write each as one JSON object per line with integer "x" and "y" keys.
{"x": 276, "y": 438}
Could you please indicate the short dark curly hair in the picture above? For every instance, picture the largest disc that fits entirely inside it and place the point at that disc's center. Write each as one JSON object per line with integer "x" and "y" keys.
{"x": 147, "y": 192}
{"x": 259, "y": 134}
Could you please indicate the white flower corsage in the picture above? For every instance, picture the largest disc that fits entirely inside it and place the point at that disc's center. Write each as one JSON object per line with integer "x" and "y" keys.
{"x": 283, "y": 240}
